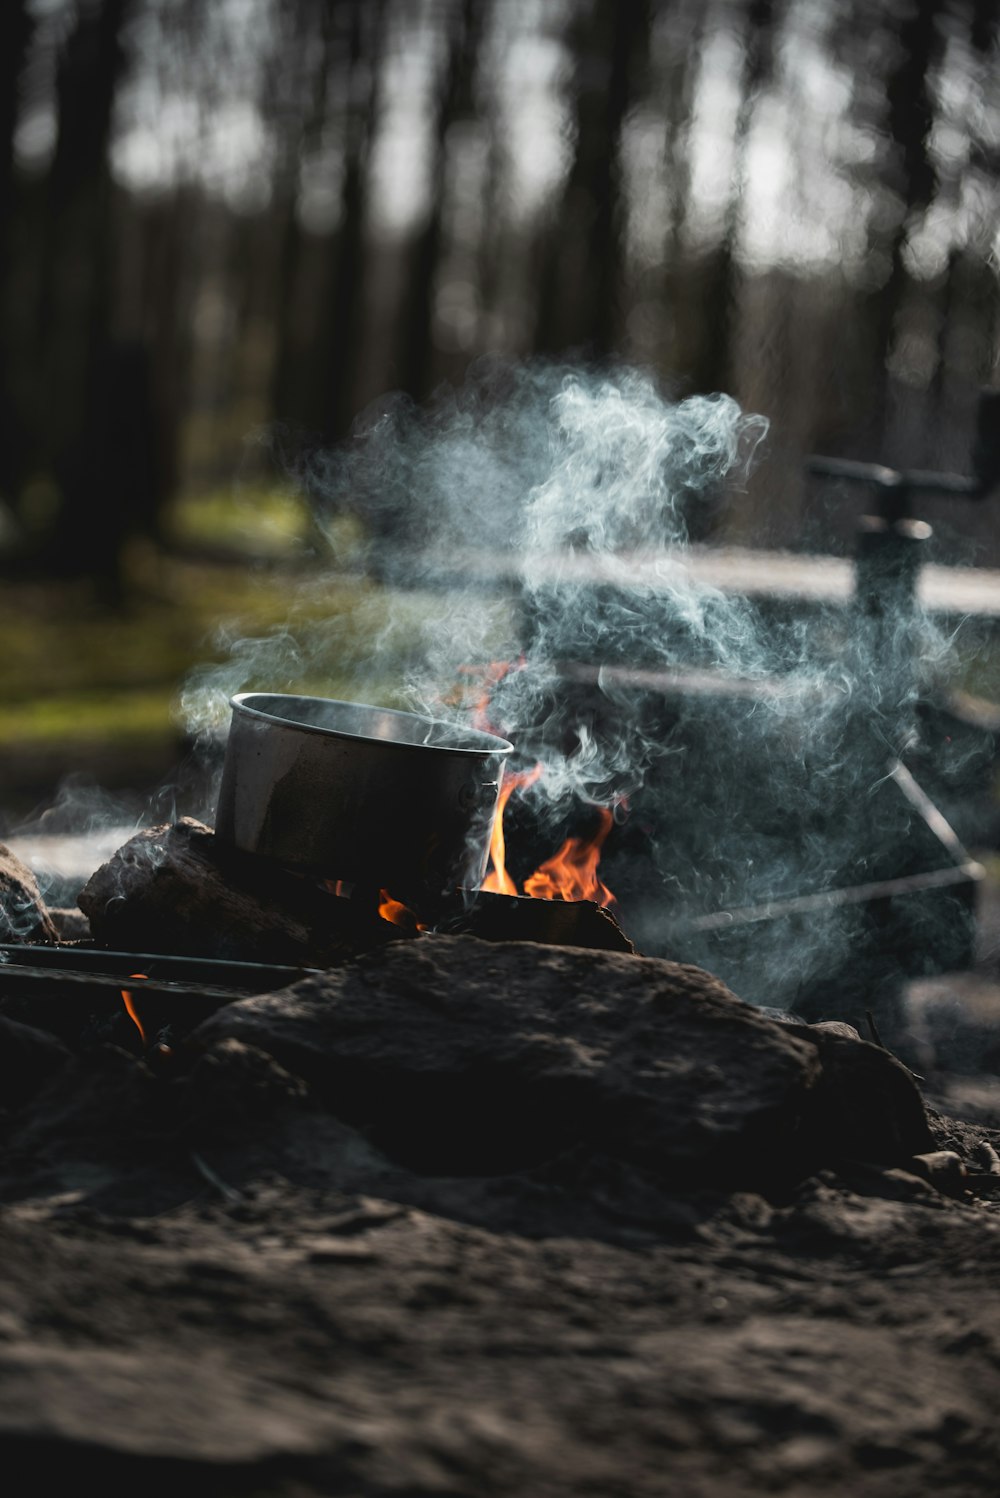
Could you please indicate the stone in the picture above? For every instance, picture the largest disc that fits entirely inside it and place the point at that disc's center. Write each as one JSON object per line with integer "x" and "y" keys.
{"x": 460, "y": 1056}
{"x": 28, "y": 1057}
{"x": 23, "y": 916}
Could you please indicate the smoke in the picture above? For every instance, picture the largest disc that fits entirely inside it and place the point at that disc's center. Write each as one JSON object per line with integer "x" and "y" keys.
{"x": 552, "y": 485}
{"x": 538, "y": 517}
{"x": 83, "y": 824}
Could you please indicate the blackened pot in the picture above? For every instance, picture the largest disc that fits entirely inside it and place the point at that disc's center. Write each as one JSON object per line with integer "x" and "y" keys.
{"x": 368, "y": 795}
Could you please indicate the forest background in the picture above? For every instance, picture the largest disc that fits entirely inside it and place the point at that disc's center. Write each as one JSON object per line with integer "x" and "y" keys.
{"x": 227, "y": 229}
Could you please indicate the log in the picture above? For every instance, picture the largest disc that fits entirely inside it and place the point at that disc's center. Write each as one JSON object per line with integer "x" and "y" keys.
{"x": 23, "y": 914}
{"x": 558, "y": 923}
{"x": 177, "y": 888}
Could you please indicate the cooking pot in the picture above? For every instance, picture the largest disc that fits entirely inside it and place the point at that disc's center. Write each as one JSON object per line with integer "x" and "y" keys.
{"x": 368, "y": 795}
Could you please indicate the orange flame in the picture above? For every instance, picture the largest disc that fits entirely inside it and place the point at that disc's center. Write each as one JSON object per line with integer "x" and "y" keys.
{"x": 396, "y": 912}
{"x": 498, "y": 881}
{"x": 131, "y": 1010}
{"x": 571, "y": 874}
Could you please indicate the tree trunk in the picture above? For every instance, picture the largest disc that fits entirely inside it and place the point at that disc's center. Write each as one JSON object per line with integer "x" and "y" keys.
{"x": 454, "y": 97}
{"x": 343, "y": 324}
{"x": 581, "y": 276}
{"x": 93, "y": 395}
{"x": 910, "y": 118}
{"x": 16, "y": 29}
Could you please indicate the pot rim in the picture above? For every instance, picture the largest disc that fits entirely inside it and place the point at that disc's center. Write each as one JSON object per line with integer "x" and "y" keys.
{"x": 482, "y": 741}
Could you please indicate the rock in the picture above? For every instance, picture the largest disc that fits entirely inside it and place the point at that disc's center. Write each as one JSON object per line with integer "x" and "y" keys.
{"x": 104, "y": 1105}
{"x": 23, "y": 916}
{"x": 234, "y": 1090}
{"x": 28, "y": 1057}
{"x": 944, "y": 1169}
{"x": 459, "y": 1056}
{"x": 70, "y": 922}
{"x": 866, "y": 1105}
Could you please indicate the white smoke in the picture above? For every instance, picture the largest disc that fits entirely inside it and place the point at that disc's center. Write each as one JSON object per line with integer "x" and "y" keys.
{"x": 539, "y": 517}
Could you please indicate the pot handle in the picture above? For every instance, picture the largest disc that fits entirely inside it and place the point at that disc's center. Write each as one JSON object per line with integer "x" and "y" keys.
{"x": 478, "y": 793}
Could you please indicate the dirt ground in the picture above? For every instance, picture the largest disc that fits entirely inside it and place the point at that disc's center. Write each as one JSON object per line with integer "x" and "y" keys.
{"x": 474, "y": 1220}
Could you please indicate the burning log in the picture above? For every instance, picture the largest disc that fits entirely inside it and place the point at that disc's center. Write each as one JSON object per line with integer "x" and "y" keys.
{"x": 560, "y": 923}
{"x": 23, "y": 916}
{"x": 179, "y": 889}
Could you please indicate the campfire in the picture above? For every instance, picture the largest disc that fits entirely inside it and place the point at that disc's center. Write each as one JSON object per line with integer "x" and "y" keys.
{"x": 327, "y": 1051}
{"x": 650, "y": 769}
{"x": 343, "y": 827}
{"x": 183, "y": 918}
{"x": 213, "y": 924}
{"x": 505, "y": 1086}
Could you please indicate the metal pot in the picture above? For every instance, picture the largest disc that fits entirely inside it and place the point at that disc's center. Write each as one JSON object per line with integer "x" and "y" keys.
{"x": 364, "y": 794}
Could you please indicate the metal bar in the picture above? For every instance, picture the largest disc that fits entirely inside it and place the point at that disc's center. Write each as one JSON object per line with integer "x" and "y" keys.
{"x": 915, "y": 479}
{"x": 53, "y": 978}
{"x": 832, "y": 899}
{"x": 254, "y": 977}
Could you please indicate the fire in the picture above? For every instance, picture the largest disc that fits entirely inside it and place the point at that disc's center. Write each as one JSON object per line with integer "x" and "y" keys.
{"x": 498, "y": 881}
{"x": 396, "y": 912}
{"x": 571, "y": 874}
{"x": 130, "y": 1008}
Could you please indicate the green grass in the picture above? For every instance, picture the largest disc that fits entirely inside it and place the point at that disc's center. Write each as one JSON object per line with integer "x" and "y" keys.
{"x": 73, "y": 675}
{"x": 69, "y": 670}
{"x": 265, "y": 521}
{"x": 88, "y": 718}
{"x": 262, "y": 521}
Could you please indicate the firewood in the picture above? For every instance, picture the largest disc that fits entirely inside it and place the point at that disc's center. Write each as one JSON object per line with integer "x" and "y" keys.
{"x": 176, "y": 888}
{"x": 560, "y": 923}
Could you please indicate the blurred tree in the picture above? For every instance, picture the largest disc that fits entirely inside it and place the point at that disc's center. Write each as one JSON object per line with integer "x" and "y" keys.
{"x": 678, "y": 84}
{"x": 719, "y": 300}
{"x": 295, "y": 100}
{"x": 96, "y": 392}
{"x": 341, "y": 316}
{"x": 454, "y": 99}
{"x": 984, "y": 167}
{"x": 580, "y": 282}
{"x": 592, "y": 169}
{"x": 913, "y": 49}
{"x": 16, "y": 27}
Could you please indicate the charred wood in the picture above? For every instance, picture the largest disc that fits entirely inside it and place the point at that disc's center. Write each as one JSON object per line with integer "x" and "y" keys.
{"x": 178, "y": 889}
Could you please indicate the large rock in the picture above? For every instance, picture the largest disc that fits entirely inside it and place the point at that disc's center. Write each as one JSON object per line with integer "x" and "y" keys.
{"x": 463, "y": 1057}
